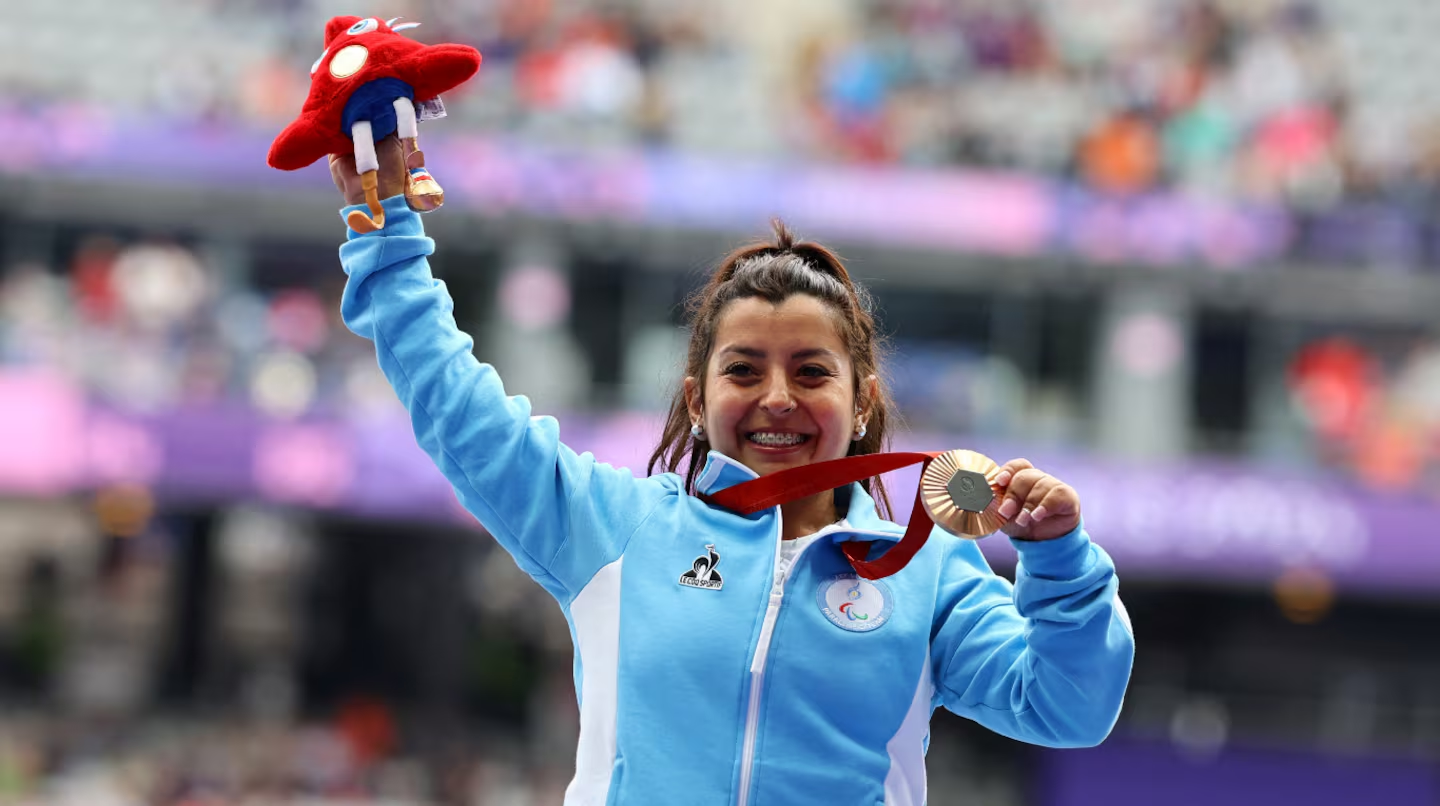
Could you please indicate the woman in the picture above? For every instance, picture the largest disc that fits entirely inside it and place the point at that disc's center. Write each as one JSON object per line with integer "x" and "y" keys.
{"x": 728, "y": 659}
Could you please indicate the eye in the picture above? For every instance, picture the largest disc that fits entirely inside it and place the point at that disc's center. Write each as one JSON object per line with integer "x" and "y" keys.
{"x": 815, "y": 371}
{"x": 739, "y": 369}
{"x": 316, "y": 65}
{"x": 364, "y": 26}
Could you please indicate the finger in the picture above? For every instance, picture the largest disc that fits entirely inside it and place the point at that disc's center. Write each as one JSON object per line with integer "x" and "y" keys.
{"x": 342, "y": 172}
{"x": 1034, "y": 500}
{"x": 1060, "y": 501}
{"x": 391, "y": 154}
{"x": 393, "y": 168}
{"x": 343, "y": 164}
{"x": 1019, "y": 490}
{"x": 1009, "y": 469}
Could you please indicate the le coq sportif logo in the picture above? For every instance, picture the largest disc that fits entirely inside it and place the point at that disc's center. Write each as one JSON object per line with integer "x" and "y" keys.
{"x": 702, "y": 573}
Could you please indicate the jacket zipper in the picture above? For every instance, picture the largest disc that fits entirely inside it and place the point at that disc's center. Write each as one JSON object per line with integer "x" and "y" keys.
{"x": 757, "y": 681}
{"x": 757, "y": 666}
{"x": 762, "y": 654}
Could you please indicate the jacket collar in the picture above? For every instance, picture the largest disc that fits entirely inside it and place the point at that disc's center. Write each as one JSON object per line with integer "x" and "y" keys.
{"x": 861, "y": 521}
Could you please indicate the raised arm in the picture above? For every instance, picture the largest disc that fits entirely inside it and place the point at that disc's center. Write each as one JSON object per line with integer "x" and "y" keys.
{"x": 562, "y": 516}
{"x": 1046, "y": 662}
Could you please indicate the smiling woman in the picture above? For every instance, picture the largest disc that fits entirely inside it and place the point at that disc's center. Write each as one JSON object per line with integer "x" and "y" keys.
{"x": 718, "y": 653}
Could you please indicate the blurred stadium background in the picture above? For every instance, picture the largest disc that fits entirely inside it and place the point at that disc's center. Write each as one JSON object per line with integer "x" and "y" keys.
{"x": 1184, "y": 253}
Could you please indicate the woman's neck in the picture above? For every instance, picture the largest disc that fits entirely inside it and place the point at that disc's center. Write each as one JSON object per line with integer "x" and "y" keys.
{"x": 806, "y": 516}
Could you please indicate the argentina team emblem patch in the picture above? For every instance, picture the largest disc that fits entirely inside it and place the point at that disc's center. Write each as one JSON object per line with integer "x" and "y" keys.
{"x": 855, "y": 604}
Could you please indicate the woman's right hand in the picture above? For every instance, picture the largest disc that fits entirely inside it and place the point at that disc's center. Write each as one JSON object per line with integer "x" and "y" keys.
{"x": 392, "y": 172}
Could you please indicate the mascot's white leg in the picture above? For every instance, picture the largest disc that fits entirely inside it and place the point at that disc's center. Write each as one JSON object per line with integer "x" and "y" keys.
{"x": 367, "y": 164}
{"x": 365, "y": 158}
{"x": 405, "y": 123}
{"x": 422, "y": 192}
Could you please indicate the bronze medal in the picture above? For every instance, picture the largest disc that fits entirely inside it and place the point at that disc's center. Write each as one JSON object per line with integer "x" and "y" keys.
{"x": 959, "y": 491}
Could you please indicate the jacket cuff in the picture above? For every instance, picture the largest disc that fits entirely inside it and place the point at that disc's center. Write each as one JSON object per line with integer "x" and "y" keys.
{"x": 1065, "y": 557}
{"x": 399, "y": 219}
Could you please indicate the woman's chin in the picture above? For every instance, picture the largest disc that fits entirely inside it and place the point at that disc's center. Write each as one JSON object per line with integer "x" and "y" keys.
{"x": 771, "y": 460}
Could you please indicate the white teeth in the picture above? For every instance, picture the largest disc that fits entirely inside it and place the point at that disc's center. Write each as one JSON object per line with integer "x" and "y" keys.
{"x": 777, "y": 440}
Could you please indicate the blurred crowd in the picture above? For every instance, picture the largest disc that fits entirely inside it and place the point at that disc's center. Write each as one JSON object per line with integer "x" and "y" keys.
{"x": 1246, "y": 100}
{"x": 1375, "y": 412}
{"x": 151, "y": 325}
{"x": 291, "y": 696}
{"x": 46, "y": 761}
{"x": 1308, "y": 102}
{"x": 1299, "y": 101}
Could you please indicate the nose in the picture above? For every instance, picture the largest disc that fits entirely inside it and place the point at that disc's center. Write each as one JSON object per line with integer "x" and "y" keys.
{"x": 777, "y": 399}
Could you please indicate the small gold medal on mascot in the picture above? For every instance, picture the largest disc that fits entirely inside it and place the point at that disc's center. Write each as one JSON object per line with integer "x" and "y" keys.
{"x": 959, "y": 492}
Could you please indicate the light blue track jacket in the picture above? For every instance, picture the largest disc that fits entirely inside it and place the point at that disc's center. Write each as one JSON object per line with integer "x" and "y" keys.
{"x": 707, "y": 674}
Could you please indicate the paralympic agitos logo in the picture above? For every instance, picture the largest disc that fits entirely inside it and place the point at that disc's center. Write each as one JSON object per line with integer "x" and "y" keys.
{"x": 848, "y": 608}
{"x": 854, "y": 604}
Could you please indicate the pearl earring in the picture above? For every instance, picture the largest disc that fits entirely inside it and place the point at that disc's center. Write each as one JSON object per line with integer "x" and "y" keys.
{"x": 697, "y": 431}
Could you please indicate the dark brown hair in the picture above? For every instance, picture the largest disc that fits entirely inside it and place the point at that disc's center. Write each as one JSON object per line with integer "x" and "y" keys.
{"x": 774, "y": 272}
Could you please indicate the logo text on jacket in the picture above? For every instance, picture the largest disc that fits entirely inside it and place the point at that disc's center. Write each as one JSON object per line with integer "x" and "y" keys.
{"x": 702, "y": 574}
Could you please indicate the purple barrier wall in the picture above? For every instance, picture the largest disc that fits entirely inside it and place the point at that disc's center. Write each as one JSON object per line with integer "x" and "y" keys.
{"x": 1202, "y": 520}
{"x": 952, "y": 209}
{"x": 1120, "y": 773}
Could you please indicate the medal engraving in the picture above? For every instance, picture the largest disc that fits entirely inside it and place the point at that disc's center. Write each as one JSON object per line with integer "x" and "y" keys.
{"x": 970, "y": 491}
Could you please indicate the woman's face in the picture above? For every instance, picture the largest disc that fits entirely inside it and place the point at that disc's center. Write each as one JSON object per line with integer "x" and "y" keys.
{"x": 779, "y": 386}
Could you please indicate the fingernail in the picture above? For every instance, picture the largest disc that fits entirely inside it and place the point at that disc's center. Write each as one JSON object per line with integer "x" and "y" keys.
{"x": 1002, "y": 479}
{"x": 1023, "y": 519}
{"x": 1038, "y": 514}
{"x": 1009, "y": 508}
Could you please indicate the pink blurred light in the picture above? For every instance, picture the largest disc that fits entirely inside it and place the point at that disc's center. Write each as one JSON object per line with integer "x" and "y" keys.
{"x": 299, "y": 320}
{"x": 121, "y": 451}
{"x": 1148, "y": 345}
{"x": 535, "y": 297}
{"x": 303, "y": 464}
{"x": 42, "y": 419}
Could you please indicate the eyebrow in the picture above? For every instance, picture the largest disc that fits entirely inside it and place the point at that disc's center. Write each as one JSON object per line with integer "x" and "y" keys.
{"x": 755, "y": 352}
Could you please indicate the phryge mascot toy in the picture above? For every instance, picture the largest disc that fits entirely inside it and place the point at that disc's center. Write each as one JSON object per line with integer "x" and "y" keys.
{"x": 371, "y": 82}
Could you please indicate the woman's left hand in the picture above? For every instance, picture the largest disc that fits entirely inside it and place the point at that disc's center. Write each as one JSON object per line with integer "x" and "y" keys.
{"x": 1036, "y": 505}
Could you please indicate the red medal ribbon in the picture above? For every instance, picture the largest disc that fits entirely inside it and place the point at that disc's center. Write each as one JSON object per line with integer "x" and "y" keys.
{"x": 794, "y": 483}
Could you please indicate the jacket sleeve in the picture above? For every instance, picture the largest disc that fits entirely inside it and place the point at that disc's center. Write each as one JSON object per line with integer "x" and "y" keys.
{"x": 561, "y": 515}
{"x": 1046, "y": 662}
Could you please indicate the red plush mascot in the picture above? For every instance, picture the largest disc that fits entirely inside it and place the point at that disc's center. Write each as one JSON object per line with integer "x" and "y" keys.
{"x": 369, "y": 83}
